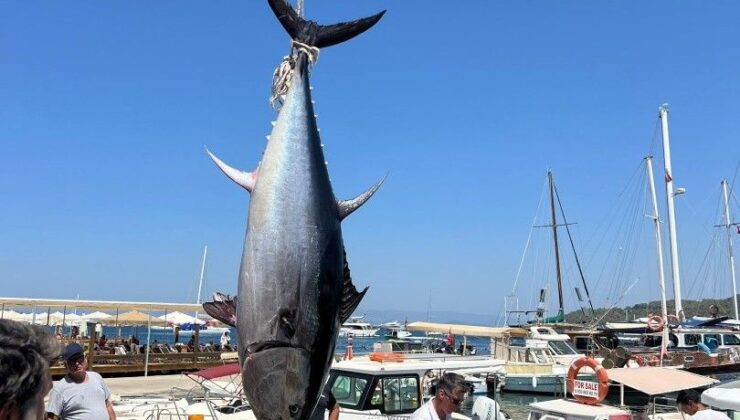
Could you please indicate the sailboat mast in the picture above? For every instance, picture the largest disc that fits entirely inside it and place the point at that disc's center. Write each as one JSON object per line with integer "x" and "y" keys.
{"x": 555, "y": 240}
{"x": 202, "y": 273}
{"x": 658, "y": 237}
{"x": 663, "y": 113}
{"x": 728, "y": 225}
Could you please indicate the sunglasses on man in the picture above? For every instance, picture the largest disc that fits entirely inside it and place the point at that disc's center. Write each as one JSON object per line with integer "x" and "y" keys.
{"x": 455, "y": 401}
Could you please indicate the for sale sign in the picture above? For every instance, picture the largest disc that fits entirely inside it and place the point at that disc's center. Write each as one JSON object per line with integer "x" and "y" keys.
{"x": 586, "y": 388}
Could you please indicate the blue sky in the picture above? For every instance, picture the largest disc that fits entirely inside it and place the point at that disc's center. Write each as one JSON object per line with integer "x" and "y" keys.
{"x": 106, "y": 107}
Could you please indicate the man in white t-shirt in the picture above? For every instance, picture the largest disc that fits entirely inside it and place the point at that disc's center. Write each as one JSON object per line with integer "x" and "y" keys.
{"x": 448, "y": 396}
{"x": 689, "y": 402}
{"x": 80, "y": 395}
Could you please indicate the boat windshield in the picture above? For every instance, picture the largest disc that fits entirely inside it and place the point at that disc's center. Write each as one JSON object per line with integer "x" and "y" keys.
{"x": 389, "y": 394}
{"x": 561, "y": 348}
{"x": 348, "y": 390}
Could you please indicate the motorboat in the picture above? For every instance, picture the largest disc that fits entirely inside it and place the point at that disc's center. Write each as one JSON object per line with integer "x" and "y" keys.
{"x": 358, "y": 327}
{"x": 393, "y": 385}
{"x": 586, "y": 399}
{"x": 531, "y": 365}
{"x": 216, "y": 395}
{"x": 724, "y": 397}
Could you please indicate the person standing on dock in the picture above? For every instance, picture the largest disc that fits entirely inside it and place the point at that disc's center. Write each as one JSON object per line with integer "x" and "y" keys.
{"x": 689, "y": 402}
{"x": 80, "y": 395}
{"x": 25, "y": 354}
{"x": 448, "y": 396}
{"x": 225, "y": 340}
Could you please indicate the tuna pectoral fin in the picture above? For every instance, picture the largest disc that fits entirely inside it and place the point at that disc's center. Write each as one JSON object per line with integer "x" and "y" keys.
{"x": 350, "y": 296}
{"x": 245, "y": 179}
{"x": 223, "y": 308}
{"x": 319, "y": 35}
{"x": 346, "y": 207}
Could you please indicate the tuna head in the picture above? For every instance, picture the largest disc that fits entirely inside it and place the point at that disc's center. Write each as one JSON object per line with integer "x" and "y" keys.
{"x": 277, "y": 383}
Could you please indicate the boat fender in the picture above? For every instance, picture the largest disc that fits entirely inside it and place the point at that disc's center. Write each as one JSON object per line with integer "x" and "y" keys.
{"x": 601, "y": 375}
{"x": 656, "y": 323}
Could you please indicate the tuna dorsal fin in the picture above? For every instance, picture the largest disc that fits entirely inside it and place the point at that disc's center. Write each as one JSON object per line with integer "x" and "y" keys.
{"x": 350, "y": 296}
{"x": 223, "y": 308}
{"x": 245, "y": 179}
{"x": 346, "y": 207}
{"x": 316, "y": 35}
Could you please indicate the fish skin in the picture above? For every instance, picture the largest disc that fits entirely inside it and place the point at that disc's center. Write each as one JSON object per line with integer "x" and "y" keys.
{"x": 291, "y": 275}
{"x": 295, "y": 287}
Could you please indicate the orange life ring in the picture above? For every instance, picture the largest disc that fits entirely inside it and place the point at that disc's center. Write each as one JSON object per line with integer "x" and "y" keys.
{"x": 386, "y": 357}
{"x": 602, "y": 386}
{"x": 656, "y": 323}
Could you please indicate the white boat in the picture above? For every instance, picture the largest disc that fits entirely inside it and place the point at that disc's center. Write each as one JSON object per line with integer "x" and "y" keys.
{"x": 356, "y": 326}
{"x": 724, "y": 397}
{"x": 651, "y": 381}
{"x": 560, "y": 344}
{"x": 217, "y": 395}
{"x": 365, "y": 390}
{"x": 530, "y": 365}
{"x": 393, "y": 385}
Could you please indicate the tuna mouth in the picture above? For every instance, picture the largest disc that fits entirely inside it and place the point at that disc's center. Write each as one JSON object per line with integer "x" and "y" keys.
{"x": 267, "y": 345}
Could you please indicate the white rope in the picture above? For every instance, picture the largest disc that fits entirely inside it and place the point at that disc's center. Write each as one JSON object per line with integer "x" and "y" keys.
{"x": 283, "y": 74}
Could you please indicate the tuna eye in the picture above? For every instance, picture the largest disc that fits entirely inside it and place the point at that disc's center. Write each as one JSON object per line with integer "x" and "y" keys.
{"x": 293, "y": 409}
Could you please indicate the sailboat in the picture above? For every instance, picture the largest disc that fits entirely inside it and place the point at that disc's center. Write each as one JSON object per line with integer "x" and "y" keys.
{"x": 540, "y": 312}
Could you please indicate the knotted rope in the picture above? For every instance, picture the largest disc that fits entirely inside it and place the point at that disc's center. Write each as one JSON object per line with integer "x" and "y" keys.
{"x": 283, "y": 74}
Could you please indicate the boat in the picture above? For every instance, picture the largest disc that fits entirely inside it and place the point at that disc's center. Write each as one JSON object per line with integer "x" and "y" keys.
{"x": 358, "y": 327}
{"x": 587, "y": 399}
{"x": 530, "y": 366}
{"x": 724, "y": 397}
{"x": 386, "y": 385}
{"x": 539, "y": 316}
{"x": 217, "y": 394}
{"x": 395, "y": 330}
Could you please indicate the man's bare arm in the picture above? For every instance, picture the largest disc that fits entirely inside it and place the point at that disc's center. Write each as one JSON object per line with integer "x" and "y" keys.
{"x": 111, "y": 413}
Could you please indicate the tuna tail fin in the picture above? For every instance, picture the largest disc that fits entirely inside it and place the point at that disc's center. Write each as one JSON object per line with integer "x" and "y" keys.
{"x": 315, "y": 35}
{"x": 245, "y": 179}
{"x": 350, "y": 296}
{"x": 346, "y": 207}
{"x": 222, "y": 308}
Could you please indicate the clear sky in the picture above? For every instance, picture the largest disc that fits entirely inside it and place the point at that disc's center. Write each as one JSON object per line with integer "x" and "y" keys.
{"x": 105, "y": 107}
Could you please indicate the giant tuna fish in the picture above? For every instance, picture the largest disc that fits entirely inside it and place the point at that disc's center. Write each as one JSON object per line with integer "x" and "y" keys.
{"x": 295, "y": 288}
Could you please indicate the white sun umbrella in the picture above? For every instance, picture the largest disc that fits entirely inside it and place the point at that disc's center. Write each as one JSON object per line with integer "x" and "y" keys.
{"x": 13, "y": 315}
{"x": 96, "y": 316}
{"x": 179, "y": 318}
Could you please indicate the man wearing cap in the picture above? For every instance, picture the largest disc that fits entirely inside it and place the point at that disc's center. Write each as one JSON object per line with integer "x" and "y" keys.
{"x": 80, "y": 395}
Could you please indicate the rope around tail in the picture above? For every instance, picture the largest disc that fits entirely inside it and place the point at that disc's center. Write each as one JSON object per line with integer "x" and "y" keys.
{"x": 283, "y": 74}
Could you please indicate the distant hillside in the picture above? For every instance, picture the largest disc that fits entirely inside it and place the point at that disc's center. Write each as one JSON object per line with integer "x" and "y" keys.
{"x": 690, "y": 308}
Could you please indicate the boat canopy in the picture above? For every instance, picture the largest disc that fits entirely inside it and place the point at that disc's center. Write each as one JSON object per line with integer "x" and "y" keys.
{"x": 723, "y": 397}
{"x": 658, "y": 380}
{"x": 471, "y": 330}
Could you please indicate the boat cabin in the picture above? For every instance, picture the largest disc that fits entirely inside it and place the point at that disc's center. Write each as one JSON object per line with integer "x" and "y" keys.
{"x": 398, "y": 386}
